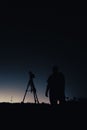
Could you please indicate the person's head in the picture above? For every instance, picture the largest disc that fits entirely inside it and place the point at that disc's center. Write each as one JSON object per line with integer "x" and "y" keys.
{"x": 55, "y": 69}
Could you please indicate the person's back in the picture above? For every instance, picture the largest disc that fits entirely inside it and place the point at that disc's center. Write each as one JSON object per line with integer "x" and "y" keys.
{"x": 55, "y": 86}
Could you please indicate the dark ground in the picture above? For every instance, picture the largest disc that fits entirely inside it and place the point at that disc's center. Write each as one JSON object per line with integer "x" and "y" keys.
{"x": 43, "y": 116}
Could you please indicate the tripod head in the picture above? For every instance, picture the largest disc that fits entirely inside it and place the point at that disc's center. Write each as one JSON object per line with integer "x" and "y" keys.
{"x": 31, "y": 75}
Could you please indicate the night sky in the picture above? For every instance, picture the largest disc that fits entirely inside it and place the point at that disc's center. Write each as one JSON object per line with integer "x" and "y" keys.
{"x": 36, "y": 39}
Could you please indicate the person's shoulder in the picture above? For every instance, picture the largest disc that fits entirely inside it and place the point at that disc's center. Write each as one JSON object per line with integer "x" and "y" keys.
{"x": 61, "y": 74}
{"x": 50, "y": 77}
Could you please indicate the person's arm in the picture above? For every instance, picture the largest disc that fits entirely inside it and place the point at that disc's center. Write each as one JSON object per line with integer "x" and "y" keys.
{"x": 46, "y": 93}
{"x": 47, "y": 88}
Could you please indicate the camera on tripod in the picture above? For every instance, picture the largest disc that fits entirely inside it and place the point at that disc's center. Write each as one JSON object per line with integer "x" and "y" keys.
{"x": 31, "y": 75}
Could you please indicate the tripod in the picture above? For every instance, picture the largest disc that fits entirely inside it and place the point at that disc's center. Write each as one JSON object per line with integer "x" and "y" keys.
{"x": 32, "y": 89}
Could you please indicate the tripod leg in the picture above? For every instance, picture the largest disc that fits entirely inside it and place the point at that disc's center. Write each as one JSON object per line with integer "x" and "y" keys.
{"x": 26, "y": 92}
{"x": 36, "y": 98}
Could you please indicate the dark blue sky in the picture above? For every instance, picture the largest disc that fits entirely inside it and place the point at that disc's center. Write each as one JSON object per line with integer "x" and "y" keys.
{"x": 36, "y": 39}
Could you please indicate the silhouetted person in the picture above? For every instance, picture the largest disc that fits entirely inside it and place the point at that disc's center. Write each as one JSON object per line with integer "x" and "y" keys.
{"x": 56, "y": 87}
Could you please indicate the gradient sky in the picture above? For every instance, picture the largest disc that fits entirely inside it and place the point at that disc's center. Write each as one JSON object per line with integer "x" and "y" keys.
{"x": 36, "y": 39}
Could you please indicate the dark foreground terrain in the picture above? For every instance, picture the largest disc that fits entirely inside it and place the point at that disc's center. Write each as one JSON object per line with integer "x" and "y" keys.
{"x": 43, "y": 116}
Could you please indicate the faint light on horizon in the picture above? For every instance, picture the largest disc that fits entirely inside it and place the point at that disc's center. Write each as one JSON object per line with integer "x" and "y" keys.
{"x": 17, "y": 96}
